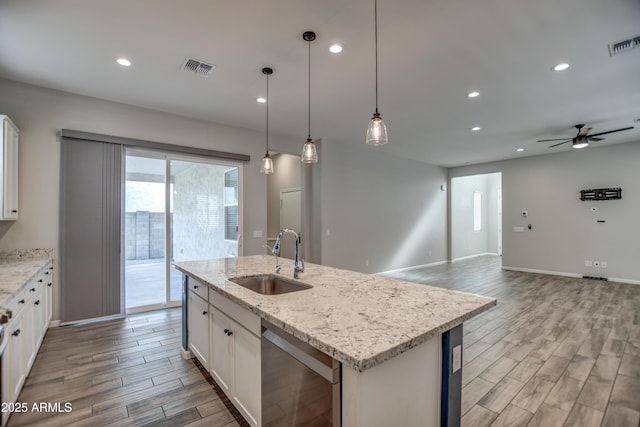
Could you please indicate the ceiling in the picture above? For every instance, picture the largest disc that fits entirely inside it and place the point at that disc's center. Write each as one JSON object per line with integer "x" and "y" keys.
{"x": 431, "y": 53}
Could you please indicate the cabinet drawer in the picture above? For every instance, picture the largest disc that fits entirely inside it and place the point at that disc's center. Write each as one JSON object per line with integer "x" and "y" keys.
{"x": 19, "y": 300}
{"x": 198, "y": 288}
{"x": 238, "y": 313}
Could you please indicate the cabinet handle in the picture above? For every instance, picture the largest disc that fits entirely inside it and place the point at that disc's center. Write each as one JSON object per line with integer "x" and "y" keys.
{"x": 229, "y": 333}
{"x": 16, "y": 332}
{"x": 34, "y": 289}
{"x": 14, "y": 211}
{"x": 39, "y": 280}
{"x": 46, "y": 272}
{"x": 204, "y": 313}
{"x": 226, "y": 331}
{"x": 49, "y": 285}
{"x": 195, "y": 286}
{"x": 21, "y": 301}
{"x": 37, "y": 302}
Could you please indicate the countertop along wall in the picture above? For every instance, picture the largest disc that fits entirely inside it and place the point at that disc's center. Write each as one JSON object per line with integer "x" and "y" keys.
{"x": 565, "y": 231}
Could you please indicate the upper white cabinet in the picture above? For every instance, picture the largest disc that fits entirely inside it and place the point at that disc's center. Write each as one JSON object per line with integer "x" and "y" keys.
{"x": 9, "y": 170}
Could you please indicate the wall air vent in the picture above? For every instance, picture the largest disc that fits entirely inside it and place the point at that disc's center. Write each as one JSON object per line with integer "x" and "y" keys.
{"x": 198, "y": 67}
{"x": 624, "y": 45}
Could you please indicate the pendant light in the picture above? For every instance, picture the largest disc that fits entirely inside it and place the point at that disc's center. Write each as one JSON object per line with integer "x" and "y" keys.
{"x": 377, "y": 130}
{"x": 267, "y": 162}
{"x": 309, "y": 151}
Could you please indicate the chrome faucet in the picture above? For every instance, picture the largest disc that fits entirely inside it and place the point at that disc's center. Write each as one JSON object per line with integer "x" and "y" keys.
{"x": 278, "y": 266}
{"x": 298, "y": 264}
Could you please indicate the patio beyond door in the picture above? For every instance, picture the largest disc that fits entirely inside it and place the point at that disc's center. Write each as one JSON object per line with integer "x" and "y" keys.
{"x": 176, "y": 209}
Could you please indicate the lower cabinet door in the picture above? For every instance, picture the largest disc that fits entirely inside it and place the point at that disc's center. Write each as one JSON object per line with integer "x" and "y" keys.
{"x": 247, "y": 378}
{"x": 15, "y": 359}
{"x": 221, "y": 350}
{"x": 199, "y": 328}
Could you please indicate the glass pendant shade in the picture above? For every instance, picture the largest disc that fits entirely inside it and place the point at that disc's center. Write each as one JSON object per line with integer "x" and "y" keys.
{"x": 267, "y": 165}
{"x": 377, "y": 131}
{"x": 309, "y": 152}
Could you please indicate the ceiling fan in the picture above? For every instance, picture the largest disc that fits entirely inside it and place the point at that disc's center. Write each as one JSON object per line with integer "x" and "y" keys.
{"x": 582, "y": 138}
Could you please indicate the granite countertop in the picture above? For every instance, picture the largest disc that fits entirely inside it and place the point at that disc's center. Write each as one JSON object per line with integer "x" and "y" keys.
{"x": 18, "y": 267}
{"x": 359, "y": 319}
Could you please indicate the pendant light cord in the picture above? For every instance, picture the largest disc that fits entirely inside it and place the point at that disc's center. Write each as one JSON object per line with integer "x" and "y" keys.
{"x": 375, "y": 14}
{"x": 309, "y": 93}
{"x": 267, "y": 114}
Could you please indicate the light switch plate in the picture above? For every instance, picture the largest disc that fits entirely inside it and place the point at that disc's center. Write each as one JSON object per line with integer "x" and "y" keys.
{"x": 456, "y": 364}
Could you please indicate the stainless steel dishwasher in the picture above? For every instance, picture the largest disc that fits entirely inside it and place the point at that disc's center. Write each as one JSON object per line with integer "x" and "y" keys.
{"x": 300, "y": 385}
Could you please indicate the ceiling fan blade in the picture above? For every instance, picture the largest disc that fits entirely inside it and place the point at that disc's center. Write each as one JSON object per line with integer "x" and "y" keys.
{"x": 560, "y": 143}
{"x": 584, "y": 131}
{"x": 590, "y": 138}
{"x": 549, "y": 140}
{"x": 612, "y": 131}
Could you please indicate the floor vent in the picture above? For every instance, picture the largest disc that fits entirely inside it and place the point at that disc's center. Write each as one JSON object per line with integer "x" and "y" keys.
{"x": 604, "y": 279}
{"x": 624, "y": 45}
{"x": 198, "y": 67}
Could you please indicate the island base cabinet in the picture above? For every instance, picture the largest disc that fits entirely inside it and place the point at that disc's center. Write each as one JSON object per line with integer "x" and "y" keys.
{"x": 402, "y": 391}
{"x": 236, "y": 365}
{"x": 199, "y": 328}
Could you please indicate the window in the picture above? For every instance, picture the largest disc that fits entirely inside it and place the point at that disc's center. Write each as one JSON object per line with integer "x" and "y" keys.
{"x": 477, "y": 210}
{"x": 231, "y": 204}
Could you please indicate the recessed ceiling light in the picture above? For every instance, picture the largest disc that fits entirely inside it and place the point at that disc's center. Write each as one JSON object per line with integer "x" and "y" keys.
{"x": 124, "y": 62}
{"x": 473, "y": 94}
{"x": 476, "y": 128}
{"x": 261, "y": 100}
{"x": 335, "y": 48}
{"x": 561, "y": 66}
{"x": 519, "y": 150}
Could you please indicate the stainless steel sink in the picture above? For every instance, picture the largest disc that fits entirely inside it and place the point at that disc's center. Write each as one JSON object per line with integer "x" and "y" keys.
{"x": 270, "y": 284}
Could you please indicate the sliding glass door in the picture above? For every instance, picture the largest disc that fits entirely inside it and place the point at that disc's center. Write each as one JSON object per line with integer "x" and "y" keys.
{"x": 176, "y": 209}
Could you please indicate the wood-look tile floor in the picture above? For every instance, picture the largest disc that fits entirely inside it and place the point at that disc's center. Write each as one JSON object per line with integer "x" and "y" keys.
{"x": 555, "y": 351}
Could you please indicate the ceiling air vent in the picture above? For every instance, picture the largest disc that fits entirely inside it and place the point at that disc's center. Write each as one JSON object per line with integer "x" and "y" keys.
{"x": 625, "y": 45}
{"x": 198, "y": 67}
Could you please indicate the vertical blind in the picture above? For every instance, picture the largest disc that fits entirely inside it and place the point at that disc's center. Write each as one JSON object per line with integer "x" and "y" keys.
{"x": 91, "y": 199}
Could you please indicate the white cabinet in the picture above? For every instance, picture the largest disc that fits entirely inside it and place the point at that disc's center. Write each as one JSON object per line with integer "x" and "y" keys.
{"x": 235, "y": 358}
{"x": 9, "y": 170}
{"x": 199, "y": 328}
{"x": 221, "y": 350}
{"x": 31, "y": 315}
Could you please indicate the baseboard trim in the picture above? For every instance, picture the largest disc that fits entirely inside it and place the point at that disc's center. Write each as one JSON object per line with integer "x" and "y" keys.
{"x": 474, "y": 256}
{"x": 565, "y": 274}
{"x": 54, "y": 323}
{"x": 413, "y": 267}
{"x": 94, "y": 320}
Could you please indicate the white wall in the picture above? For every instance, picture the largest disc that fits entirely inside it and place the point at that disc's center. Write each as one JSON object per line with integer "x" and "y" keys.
{"x": 380, "y": 208}
{"x": 565, "y": 231}
{"x": 465, "y": 241}
{"x": 40, "y": 114}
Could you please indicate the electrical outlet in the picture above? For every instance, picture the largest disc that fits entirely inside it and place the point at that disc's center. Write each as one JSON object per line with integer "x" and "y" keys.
{"x": 603, "y": 264}
{"x": 596, "y": 264}
{"x": 588, "y": 263}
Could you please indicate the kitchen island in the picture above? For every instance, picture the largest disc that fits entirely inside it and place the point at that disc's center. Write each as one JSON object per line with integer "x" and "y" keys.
{"x": 398, "y": 343}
